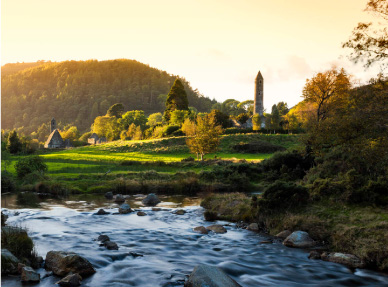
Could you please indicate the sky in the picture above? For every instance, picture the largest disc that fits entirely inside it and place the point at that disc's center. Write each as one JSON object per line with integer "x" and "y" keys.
{"x": 217, "y": 45}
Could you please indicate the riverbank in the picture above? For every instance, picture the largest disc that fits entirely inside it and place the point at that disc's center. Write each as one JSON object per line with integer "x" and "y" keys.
{"x": 358, "y": 230}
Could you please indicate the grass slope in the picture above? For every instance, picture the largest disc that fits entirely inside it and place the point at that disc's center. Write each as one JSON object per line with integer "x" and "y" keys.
{"x": 84, "y": 167}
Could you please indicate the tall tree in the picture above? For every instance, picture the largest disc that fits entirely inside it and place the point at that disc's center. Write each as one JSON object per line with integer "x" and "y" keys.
{"x": 176, "y": 100}
{"x": 325, "y": 90}
{"x": 14, "y": 144}
{"x": 368, "y": 42}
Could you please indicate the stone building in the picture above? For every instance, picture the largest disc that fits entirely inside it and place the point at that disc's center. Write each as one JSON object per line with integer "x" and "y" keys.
{"x": 258, "y": 107}
{"x": 55, "y": 139}
{"x": 94, "y": 139}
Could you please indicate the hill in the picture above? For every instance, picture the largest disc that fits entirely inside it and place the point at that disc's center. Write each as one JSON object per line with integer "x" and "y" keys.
{"x": 75, "y": 92}
{"x": 12, "y": 68}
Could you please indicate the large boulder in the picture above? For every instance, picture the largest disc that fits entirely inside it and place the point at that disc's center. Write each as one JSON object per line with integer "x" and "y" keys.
{"x": 216, "y": 228}
{"x": 62, "y": 263}
{"x": 151, "y": 200}
{"x": 29, "y": 275}
{"x": 9, "y": 262}
{"x": 299, "y": 239}
{"x": 209, "y": 276}
{"x": 125, "y": 208}
{"x": 349, "y": 260}
{"x": 72, "y": 280}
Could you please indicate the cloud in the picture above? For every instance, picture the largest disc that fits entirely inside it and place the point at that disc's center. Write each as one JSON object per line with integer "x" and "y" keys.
{"x": 295, "y": 68}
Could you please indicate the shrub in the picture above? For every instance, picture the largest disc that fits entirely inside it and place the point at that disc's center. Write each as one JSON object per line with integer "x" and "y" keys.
{"x": 281, "y": 196}
{"x": 30, "y": 164}
{"x": 287, "y": 165}
{"x": 258, "y": 147}
{"x": 7, "y": 183}
{"x": 16, "y": 240}
{"x": 169, "y": 130}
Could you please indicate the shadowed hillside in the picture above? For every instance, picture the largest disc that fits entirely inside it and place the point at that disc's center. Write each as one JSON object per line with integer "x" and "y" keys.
{"x": 75, "y": 92}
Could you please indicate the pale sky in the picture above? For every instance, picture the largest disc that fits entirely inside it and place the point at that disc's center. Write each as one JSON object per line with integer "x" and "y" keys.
{"x": 217, "y": 45}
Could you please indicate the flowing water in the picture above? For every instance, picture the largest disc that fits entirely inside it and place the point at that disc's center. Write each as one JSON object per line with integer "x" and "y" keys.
{"x": 168, "y": 247}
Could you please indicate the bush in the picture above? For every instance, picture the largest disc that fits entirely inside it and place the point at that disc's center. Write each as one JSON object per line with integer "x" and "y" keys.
{"x": 169, "y": 130}
{"x": 281, "y": 196}
{"x": 16, "y": 240}
{"x": 30, "y": 164}
{"x": 258, "y": 147}
{"x": 7, "y": 183}
{"x": 287, "y": 165}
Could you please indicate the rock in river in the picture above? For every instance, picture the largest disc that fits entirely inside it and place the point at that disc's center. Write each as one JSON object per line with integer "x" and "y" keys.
{"x": 71, "y": 280}
{"x": 103, "y": 238}
{"x": 349, "y": 260}
{"x": 125, "y": 208}
{"x": 101, "y": 212}
{"x": 151, "y": 200}
{"x": 209, "y": 276}
{"x": 109, "y": 195}
{"x": 111, "y": 245}
{"x": 29, "y": 275}
{"x": 299, "y": 239}
{"x": 180, "y": 212}
{"x": 200, "y": 229}
{"x": 216, "y": 228}
{"x": 119, "y": 198}
{"x": 141, "y": 213}
{"x": 62, "y": 263}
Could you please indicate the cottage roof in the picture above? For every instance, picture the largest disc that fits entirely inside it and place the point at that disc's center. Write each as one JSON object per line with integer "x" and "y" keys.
{"x": 54, "y": 136}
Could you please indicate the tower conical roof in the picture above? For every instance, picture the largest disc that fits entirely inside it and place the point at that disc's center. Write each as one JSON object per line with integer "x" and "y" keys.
{"x": 259, "y": 76}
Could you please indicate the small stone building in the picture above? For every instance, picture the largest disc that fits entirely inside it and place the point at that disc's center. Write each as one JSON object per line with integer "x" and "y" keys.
{"x": 55, "y": 139}
{"x": 94, "y": 139}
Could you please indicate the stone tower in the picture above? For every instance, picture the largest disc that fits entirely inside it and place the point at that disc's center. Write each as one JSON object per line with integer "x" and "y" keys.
{"x": 53, "y": 125}
{"x": 259, "y": 93}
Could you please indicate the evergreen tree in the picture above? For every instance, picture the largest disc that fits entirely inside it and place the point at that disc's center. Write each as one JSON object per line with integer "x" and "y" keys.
{"x": 115, "y": 111}
{"x": 176, "y": 100}
{"x": 14, "y": 145}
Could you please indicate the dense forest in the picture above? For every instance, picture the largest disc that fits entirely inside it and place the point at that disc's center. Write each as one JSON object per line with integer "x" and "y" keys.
{"x": 76, "y": 92}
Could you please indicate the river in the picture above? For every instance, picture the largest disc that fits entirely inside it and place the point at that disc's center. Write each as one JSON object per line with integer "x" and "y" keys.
{"x": 168, "y": 247}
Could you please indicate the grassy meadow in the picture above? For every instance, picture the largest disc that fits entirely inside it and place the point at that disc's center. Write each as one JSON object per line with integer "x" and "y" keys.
{"x": 96, "y": 168}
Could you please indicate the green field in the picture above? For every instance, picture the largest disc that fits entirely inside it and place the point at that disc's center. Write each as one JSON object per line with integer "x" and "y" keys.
{"x": 122, "y": 158}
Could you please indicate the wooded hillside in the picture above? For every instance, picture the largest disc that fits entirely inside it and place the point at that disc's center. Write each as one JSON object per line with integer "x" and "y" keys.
{"x": 76, "y": 92}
